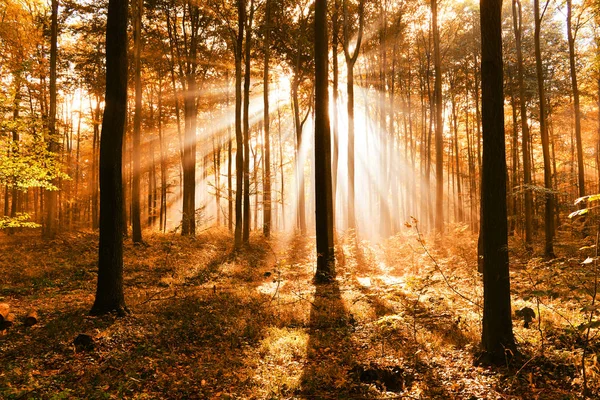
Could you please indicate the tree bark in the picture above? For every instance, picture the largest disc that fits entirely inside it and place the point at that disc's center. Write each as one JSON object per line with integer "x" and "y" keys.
{"x": 517, "y": 22}
{"x": 51, "y": 226}
{"x": 439, "y": 128}
{"x": 571, "y": 36}
{"x": 239, "y": 137}
{"x": 323, "y": 185}
{"x": 109, "y": 291}
{"x": 267, "y": 126}
{"x": 497, "y": 335}
{"x": 350, "y": 62}
{"x": 549, "y": 211}
{"x": 136, "y": 224}
{"x": 247, "y": 79}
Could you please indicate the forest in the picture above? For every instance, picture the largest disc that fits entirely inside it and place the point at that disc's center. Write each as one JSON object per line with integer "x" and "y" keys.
{"x": 299, "y": 199}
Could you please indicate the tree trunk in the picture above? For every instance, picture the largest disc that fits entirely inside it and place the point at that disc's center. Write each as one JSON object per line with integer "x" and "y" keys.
{"x": 281, "y": 178}
{"x": 350, "y": 61}
{"x": 549, "y": 211}
{"x": 136, "y": 224}
{"x": 163, "y": 163}
{"x": 229, "y": 170}
{"x": 239, "y": 138}
{"x": 188, "y": 227}
{"x": 335, "y": 123}
{"x": 301, "y": 207}
{"x": 323, "y": 192}
{"x": 247, "y": 79}
{"x": 267, "y": 127}
{"x": 95, "y": 162}
{"x": 514, "y": 182}
{"x": 571, "y": 36}
{"x": 497, "y": 335}
{"x": 517, "y": 22}
{"x": 51, "y": 226}
{"x": 109, "y": 292}
{"x": 439, "y": 128}
{"x": 15, "y": 149}
{"x": 188, "y": 223}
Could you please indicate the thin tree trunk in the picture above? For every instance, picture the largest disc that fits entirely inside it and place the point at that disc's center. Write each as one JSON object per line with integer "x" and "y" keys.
{"x": 571, "y": 36}
{"x": 549, "y": 212}
{"x": 439, "y": 134}
{"x": 301, "y": 208}
{"x": 267, "y": 127}
{"x": 517, "y": 23}
{"x": 239, "y": 156}
{"x": 335, "y": 97}
{"x": 350, "y": 61}
{"x": 247, "y": 79}
{"x": 51, "y": 227}
{"x": 136, "y": 224}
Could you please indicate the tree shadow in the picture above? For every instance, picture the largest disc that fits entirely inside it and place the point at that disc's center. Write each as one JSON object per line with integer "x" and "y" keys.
{"x": 299, "y": 250}
{"x": 329, "y": 350}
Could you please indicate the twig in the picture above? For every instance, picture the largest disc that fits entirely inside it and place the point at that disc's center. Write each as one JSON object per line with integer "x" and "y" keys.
{"x": 149, "y": 299}
{"x": 439, "y": 269}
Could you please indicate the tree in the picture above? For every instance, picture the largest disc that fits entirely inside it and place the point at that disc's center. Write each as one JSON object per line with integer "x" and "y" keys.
{"x": 517, "y": 23}
{"x": 323, "y": 185}
{"x": 51, "y": 227}
{"x": 136, "y": 228}
{"x": 497, "y": 335}
{"x": 247, "y": 78}
{"x": 109, "y": 291}
{"x": 350, "y": 62}
{"x": 571, "y": 36}
{"x": 239, "y": 138}
{"x": 267, "y": 124}
{"x": 549, "y": 194}
{"x": 439, "y": 127}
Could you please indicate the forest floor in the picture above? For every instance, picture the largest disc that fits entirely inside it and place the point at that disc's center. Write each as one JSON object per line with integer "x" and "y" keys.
{"x": 401, "y": 321}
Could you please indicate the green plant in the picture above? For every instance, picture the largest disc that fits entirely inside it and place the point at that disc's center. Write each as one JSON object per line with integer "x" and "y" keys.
{"x": 591, "y": 308}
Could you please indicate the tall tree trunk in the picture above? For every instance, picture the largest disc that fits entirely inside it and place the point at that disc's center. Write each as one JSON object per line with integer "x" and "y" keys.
{"x": 281, "y": 178}
{"x": 301, "y": 193}
{"x": 497, "y": 335}
{"x": 15, "y": 150}
{"x": 239, "y": 138}
{"x": 95, "y": 162}
{"x": 77, "y": 212}
{"x": 188, "y": 223}
{"x": 439, "y": 128}
{"x": 549, "y": 211}
{"x": 163, "y": 163}
{"x": 247, "y": 79}
{"x": 136, "y": 224}
{"x": 323, "y": 192}
{"x": 188, "y": 227}
{"x": 51, "y": 227}
{"x": 335, "y": 41}
{"x": 350, "y": 61}
{"x": 571, "y": 36}
{"x": 109, "y": 292}
{"x": 229, "y": 170}
{"x": 514, "y": 164}
{"x": 459, "y": 195}
{"x": 517, "y": 22}
{"x": 267, "y": 127}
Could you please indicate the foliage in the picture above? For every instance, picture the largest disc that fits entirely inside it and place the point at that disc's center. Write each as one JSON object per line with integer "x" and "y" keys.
{"x": 21, "y": 220}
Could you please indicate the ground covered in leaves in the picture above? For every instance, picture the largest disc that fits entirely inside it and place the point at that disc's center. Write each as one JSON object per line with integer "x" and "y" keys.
{"x": 402, "y": 320}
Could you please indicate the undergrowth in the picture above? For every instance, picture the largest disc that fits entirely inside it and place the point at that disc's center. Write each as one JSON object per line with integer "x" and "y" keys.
{"x": 402, "y": 320}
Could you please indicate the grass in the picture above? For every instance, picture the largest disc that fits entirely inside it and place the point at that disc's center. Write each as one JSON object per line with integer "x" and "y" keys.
{"x": 211, "y": 324}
